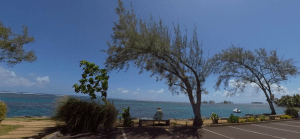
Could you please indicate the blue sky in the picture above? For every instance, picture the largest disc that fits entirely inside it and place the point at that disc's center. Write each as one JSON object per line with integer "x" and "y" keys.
{"x": 69, "y": 31}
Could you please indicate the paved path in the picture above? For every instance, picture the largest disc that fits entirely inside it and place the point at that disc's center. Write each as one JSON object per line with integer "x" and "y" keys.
{"x": 273, "y": 130}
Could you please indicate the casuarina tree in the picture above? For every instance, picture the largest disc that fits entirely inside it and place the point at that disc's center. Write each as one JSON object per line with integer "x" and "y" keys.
{"x": 11, "y": 45}
{"x": 264, "y": 69}
{"x": 149, "y": 45}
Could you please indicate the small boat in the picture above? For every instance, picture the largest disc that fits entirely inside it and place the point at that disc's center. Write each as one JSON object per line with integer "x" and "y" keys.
{"x": 236, "y": 110}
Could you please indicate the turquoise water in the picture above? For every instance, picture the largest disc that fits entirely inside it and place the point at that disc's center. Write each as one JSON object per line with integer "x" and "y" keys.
{"x": 43, "y": 105}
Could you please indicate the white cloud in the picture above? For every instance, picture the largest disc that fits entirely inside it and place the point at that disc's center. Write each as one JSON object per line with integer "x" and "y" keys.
{"x": 9, "y": 78}
{"x": 135, "y": 93}
{"x": 160, "y": 91}
{"x": 43, "y": 79}
{"x": 152, "y": 91}
{"x": 13, "y": 74}
{"x": 138, "y": 89}
{"x": 123, "y": 90}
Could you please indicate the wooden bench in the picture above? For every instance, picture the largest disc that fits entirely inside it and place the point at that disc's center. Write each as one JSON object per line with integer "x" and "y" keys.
{"x": 147, "y": 120}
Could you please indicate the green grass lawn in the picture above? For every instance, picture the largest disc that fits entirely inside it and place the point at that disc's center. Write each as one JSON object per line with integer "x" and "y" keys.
{"x": 5, "y": 129}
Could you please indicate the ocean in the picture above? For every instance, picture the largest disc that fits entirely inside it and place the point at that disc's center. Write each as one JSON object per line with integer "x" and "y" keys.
{"x": 31, "y": 104}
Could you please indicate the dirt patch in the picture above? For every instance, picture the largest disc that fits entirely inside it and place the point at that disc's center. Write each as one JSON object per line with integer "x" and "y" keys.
{"x": 31, "y": 129}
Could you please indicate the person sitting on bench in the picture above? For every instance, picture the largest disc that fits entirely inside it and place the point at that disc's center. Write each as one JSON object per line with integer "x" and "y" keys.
{"x": 158, "y": 115}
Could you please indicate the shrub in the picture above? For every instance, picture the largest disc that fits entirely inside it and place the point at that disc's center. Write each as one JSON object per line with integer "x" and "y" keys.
{"x": 233, "y": 119}
{"x": 81, "y": 116}
{"x": 242, "y": 120}
{"x": 288, "y": 117}
{"x": 126, "y": 117}
{"x": 3, "y": 111}
{"x": 214, "y": 117}
{"x": 283, "y": 117}
{"x": 174, "y": 123}
{"x": 252, "y": 119}
{"x": 291, "y": 111}
{"x": 262, "y": 118}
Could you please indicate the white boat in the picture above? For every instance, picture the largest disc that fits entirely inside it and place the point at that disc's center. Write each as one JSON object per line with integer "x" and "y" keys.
{"x": 236, "y": 110}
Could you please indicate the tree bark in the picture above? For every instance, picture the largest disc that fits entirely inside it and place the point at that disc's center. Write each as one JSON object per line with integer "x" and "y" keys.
{"x": 273, "y": 112}
{"x": 197, "y": 113}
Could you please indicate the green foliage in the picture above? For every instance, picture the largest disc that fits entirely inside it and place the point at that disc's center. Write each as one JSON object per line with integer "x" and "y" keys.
{"x": 174, "y": 123}
{"x": 91, "y": 70}
{"x": 11, "y": 45}
{"x": 291, "y": 111}
{"x": 285, "y": 117}
{"x": 214, "y": 116}
{"x": 3, "y": 111}
{"x": 288, "y": 101}
{"x": 262, "y": 118}
{"x": 242, "y": 120}
{"x": 252, "y": 119}
{"x": 233, "y": 119}
{"x": 81, "y": 116}
{"x": 150, "y": 46}
{"x": 126, "y": 117}
{"x": 259, "y": 67}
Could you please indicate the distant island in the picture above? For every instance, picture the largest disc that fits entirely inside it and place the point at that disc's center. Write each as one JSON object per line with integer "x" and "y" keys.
{"x": 226, "y": 102}
{"x": 213, "y": 102}
{"x": 257, "y": 103}
{"x": 210, "y": 102}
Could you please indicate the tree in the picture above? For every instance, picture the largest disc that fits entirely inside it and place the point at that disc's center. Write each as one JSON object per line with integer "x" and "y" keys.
{"x": 289, "y": 101}
{"x": 150, "y": 47}
{"x": 11, "y": 45}
{"x": 92, "y": 70}
{"x": 263, "y": 69}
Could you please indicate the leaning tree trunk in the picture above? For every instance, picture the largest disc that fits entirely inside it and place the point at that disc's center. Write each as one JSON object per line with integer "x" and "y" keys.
{"x": 273, "y": 112}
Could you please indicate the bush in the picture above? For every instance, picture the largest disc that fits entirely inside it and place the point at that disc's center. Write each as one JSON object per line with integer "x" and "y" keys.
{"x": 262, "y": 118}
{"x": 174, "y": 123}
{"x": 81, "y": 116}
{"x": 126, "y": 117}
{"x": 285, "y": 117}
{"x": 291, "y": 111}
{"x": 242, "y": 120}
{"x": 288, "y": 117}
{"x": 214, "y": 117}
{"x": 233, "y": 119}
{"x": 3, "y": 111}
